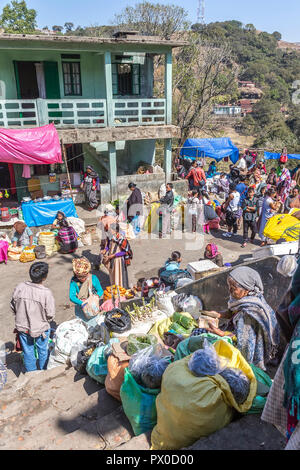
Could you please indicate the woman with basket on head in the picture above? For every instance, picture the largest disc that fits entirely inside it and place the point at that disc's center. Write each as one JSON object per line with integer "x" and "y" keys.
{"x": 85, "y": 291}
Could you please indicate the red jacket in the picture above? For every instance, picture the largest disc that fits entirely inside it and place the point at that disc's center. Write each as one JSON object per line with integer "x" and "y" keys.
{"x": 197, "y": 174}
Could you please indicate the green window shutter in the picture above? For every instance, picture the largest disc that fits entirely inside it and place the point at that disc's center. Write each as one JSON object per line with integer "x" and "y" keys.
{"x": 52, "y": 80}
{"x": 136, "y": 79}
{"x": 114, "y": 79}
{"x": 17, "y": 79}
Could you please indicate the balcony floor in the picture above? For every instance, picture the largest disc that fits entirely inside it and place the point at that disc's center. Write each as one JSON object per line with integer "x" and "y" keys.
{"x": 114, "y": 134}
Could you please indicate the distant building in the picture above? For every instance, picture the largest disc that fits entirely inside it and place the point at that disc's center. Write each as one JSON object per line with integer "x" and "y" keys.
{"x": 246, "y": 106}
{"x": 246, "y": 84}
{"x": 227, "y": 110}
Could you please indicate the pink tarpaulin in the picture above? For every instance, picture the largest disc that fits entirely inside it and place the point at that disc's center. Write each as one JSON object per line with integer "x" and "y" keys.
{"x": 38, "y": 146}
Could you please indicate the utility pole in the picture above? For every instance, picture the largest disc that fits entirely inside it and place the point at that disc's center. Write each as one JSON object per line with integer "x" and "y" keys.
{"x": 201, "y": 12}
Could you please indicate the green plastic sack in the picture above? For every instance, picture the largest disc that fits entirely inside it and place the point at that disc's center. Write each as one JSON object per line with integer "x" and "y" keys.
{"x": 97, "y": 363}
{"x": 138, "y": 404}
{"x": 192, "y": 344}
{"x": 138, "y": 342}
{"x": 264, "y": 383}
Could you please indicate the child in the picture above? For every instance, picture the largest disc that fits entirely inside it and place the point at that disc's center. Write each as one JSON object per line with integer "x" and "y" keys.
{"x": 173, "y": 263}
{"x": 34, "y": 307}
{"x": 212, "y": 253}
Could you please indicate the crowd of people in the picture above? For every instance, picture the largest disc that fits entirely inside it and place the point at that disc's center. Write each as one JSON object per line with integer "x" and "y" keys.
{"x": 251, "y": 195}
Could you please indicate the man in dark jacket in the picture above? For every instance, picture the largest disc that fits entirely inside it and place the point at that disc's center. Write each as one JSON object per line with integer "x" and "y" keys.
{"x": 166, "y": 208}
{"x": 134, "y": 203}
{"x": 249, "y": 206}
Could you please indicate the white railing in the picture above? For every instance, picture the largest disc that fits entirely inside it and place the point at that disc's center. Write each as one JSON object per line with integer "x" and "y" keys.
{"x": 77, "y": 113}
{"x": 139, "y": 112}
{"x": 82, "y": 112}
{"x": 18, "y": 113}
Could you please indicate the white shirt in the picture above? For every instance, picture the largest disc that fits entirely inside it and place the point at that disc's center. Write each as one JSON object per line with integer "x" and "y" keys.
{"x": 234, "y": 203}
{"x": 242, "y": 165}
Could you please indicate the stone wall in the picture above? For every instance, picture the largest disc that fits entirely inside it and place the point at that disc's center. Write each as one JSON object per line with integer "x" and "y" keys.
{"x": 147, "y": 183}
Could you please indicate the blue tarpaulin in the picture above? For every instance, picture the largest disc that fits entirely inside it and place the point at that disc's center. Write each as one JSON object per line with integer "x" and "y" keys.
{"x": 276, "y": 156}
{"x": 44, "y": 213}
{"x": 210, "y": 148}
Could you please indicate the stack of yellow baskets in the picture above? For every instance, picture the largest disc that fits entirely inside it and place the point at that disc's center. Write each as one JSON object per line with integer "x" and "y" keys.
{"x": 48, "y": 240}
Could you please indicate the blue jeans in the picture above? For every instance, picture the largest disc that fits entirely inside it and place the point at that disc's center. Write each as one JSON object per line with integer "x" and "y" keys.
{"x": 27, "y": 343}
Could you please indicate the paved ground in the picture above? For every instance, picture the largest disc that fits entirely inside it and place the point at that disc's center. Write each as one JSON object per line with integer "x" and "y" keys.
{"x": 149, "y": 256}
{"x": 59, "y": 409}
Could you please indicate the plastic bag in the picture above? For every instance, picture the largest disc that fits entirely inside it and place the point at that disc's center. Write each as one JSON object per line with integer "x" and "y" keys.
{"x": 183, "y": 282}
{"x": 205, "y": 361}
{"x": 186, "y": 322}
{"x": 138, "y": 342}
{"x": 187, "y": 303}
{"x": 153, "y": 371}
{"x": 238, "y": 382}
{"x": 164, "y": 302}
{"x": 97, "y": 363}
{"x": 117, "y": 321}
{"x": 139, "y": 360}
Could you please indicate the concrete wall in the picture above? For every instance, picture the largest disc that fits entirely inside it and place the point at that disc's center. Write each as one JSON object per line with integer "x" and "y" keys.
{"x": 213, "y": 290}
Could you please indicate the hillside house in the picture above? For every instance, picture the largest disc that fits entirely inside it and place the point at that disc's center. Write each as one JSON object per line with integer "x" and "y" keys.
{"x": 227, "y": 110}
{"x": 99, "y": 93}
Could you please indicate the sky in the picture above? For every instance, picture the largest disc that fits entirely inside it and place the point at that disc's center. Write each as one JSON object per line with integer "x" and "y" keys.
{"x": 266, "y": 15}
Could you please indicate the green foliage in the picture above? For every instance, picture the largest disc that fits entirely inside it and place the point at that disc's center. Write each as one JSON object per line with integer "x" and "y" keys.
{"x": 16, "y": 18}
{"x": 153, "y": 19}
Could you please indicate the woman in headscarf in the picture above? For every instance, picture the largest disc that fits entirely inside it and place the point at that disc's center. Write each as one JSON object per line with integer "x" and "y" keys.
{"x": 23, "y": 235}
{"x": 212, "y": 253}
{"x": 117, "y": 256}
{"x": 283, "y": 404}
{"x": 82, "y": 284}
{"x": 89, "y": 185}
{"x": 252, "y": 320}
{"x": 66, "y": 237}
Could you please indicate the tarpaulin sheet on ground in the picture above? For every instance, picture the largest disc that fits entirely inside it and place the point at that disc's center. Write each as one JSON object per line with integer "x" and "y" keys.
{"x": 44, "y": 213}
{"x": 276, "y": 156}
{"x": 38, "y": 146}
{"x": 210, "y": 148}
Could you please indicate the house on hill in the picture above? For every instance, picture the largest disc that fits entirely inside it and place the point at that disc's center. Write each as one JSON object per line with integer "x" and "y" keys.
{"x": 99, "y": 94}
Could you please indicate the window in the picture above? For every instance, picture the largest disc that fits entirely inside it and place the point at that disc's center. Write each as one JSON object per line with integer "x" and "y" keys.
{"x": 126, "y": 79}
{"x": 72, "y": 78}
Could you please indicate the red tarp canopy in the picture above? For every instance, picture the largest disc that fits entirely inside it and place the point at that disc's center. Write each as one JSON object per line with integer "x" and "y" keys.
{"x": 38, "y": 146}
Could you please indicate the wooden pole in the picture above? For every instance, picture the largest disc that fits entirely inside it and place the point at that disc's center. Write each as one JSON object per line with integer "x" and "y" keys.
{"x": 67, "y": 168}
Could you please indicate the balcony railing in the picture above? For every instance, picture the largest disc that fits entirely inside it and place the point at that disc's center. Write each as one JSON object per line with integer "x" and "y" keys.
{"x": 70, "y": 113}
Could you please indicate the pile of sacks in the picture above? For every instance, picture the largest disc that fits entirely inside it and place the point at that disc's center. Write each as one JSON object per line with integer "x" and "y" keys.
{"x": 177, "y": 380}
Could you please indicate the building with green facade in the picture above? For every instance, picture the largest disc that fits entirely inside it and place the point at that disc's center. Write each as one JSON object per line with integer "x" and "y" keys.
{"x": 99, "y": 93}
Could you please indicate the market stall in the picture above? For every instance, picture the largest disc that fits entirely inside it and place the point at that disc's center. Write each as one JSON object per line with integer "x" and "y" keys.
{"x": 210, "y": 148}
{"x": 44, "y": 212}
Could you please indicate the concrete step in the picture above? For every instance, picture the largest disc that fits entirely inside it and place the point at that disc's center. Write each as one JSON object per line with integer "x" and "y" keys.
{"x": 246, "y": 433}
{"x": 141, "y": 442}
{"x": 105, "y": 433}
{"x": 44, "y": 407}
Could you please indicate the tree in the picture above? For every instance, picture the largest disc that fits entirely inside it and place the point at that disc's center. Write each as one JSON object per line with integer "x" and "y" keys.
{"x": 69, "y": 27}
{"x": 277, "y": 35}
{"x": 16, "y": 18}
{"x": 203, "y": 73}
{"x": 57, "y": 29}
{"x": 153, "y": 19}
{"x": 250, "y": 27}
